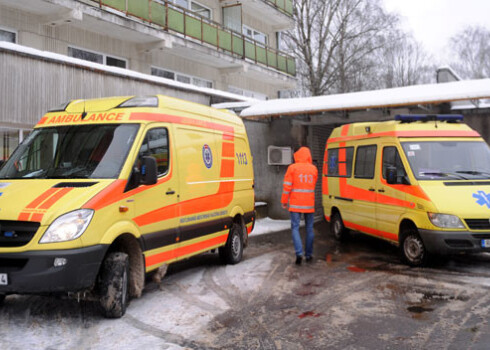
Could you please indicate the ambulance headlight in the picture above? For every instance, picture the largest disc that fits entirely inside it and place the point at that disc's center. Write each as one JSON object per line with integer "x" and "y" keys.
{"x": 445, "y": 220}
{"x": 68, "y": 227}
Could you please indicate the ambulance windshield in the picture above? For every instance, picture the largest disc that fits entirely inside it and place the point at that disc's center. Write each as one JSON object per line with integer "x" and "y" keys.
{"x": 71, "y": 152}
{"x": 443, "y": 160}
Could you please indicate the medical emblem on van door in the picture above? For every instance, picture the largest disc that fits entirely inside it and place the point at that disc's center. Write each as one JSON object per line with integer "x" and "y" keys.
{"x": 482, "y": 198}
{"x": 207, "y": 156}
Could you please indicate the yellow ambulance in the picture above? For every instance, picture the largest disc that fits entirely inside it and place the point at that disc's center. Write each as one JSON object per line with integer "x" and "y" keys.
{"x": 421, "y": 182}
{"x": 105, "y": 191}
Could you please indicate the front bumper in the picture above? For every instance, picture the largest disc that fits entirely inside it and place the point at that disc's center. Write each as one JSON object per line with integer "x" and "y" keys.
{"x": 33, "y": 272}
{"x": 445, "y": 242}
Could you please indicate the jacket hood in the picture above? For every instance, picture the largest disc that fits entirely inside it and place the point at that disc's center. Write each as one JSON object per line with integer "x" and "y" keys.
{"x": 303, "y": 155}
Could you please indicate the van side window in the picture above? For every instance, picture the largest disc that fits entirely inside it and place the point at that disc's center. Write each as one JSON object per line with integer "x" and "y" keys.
{"x": 339, "y": 162}
{"x": 391, "y": 158}
{"x": 365, "y": 162}
{"x": 156, "y": 145}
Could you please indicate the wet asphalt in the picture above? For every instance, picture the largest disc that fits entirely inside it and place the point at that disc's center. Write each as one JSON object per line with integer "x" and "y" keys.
{"x": 353, "y": 295}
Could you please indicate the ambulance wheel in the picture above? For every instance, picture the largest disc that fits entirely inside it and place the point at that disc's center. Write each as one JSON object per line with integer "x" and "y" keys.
{"x": 2, "y": 298}
{"x": 337, "y": 227}
{"x": 114, "y": 285}
{"x": 412, "y": 248}
{"x": 232, "y": 252}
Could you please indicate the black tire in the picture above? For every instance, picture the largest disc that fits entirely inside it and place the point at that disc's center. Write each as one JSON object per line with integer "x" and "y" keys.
{"x": 2, "y": 298}
{"x": 412, "y": 249}
{"x": 114, "y": 285}
{"x": 337, "y": 227}
{"x": 232, "y": 252}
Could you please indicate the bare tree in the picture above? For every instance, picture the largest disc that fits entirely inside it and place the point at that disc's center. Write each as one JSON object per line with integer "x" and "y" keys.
{"x": 335, "y": 43}
{"x": 471, "y": 47}
{"x": 405, "y": 62}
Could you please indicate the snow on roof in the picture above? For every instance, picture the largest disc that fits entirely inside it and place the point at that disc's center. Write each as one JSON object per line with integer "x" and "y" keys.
{"x": 403, "y": 96}
{"x": 120, "y": 71}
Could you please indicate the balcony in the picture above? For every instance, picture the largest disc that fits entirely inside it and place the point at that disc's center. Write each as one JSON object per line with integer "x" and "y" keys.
{"x": 285, "y": 6}
{"x": 174, "y": 19}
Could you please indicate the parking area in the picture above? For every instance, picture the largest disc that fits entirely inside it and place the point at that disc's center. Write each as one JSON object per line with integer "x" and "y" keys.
{"x": 354, "y": 295}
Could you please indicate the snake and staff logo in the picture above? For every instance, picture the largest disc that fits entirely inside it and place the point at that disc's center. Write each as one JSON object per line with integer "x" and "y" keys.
{"x": 207, "y": 156}
{"x": 482, "y": 198}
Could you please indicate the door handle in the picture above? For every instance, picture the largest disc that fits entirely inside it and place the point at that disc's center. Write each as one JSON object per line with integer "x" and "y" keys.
{"x": 372, "y": 190}
{"x": 381, "y": 190}
{"x": 170, "y": 192}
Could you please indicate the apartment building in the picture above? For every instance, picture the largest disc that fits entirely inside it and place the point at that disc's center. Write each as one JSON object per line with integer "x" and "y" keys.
{"x": 231, "y": 46}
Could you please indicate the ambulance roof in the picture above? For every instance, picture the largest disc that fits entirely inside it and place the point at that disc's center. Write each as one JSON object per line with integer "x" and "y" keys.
{"x": 400, "y": 129}
{"x": 129, "y": 109}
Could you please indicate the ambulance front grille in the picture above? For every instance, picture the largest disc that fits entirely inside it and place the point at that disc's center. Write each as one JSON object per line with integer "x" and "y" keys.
{"x": 17, "y": 233}
{"x": 478, "y": 224}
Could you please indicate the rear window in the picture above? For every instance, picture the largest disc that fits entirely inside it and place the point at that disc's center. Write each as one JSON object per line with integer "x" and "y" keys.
{"x": 339, "y": 162}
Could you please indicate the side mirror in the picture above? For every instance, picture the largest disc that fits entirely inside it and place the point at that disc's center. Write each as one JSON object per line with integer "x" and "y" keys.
{"x": 149, "y": 175}
{"x": 391, "y": 175}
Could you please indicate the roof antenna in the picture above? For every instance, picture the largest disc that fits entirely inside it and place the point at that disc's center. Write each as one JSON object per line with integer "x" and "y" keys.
{"x": 84, "y": 114}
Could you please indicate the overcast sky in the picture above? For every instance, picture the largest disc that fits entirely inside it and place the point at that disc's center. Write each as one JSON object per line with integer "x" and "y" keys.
{"x": 433, "y": 22}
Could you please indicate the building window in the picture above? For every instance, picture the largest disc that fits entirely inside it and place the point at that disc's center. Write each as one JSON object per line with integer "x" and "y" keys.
{"x": 7, "y": 35}
{"x": 194, "y": 7}
{"x": 247, "y": 93}
{"x": 183, "y": 78}
{"x": 255, "y": 34}
{"x": 96, "y": 57}
{"x": 9, "y": 140}
{"x": 200, "y": 9}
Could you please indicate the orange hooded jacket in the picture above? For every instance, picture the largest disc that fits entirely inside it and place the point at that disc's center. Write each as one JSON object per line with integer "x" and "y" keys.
{"x": 299, "y": 183}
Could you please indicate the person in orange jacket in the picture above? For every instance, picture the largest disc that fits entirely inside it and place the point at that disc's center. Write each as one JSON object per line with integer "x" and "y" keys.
{"x": 299, "y": 191}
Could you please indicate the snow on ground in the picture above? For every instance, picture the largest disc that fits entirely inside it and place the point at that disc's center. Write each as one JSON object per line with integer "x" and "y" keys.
{"x": 268, "y": 225}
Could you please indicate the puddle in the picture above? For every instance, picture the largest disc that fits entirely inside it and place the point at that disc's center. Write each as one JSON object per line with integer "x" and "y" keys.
{"x": 309, "y": 314}
{"x": 419, "y": 309}
{"x": 356, "y": 269}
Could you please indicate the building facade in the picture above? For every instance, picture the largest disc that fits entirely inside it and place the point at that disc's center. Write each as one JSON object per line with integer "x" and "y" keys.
{"x": 230, "y": 46}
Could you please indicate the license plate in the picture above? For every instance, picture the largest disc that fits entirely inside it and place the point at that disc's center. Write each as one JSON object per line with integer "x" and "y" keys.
{"x": 4, "y": 280}
{"x": 485, "y": 243}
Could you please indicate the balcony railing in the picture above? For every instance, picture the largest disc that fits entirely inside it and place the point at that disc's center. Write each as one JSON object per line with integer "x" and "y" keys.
{"x": 285, "y": 6}
{"x": 173, "y": 18}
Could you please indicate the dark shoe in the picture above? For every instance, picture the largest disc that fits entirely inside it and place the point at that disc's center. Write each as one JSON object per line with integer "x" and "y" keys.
{"x": 298, "y": 260}
{"x": 309, "y": 259}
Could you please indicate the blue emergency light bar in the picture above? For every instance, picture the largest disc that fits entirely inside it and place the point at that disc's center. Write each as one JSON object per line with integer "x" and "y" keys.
{"x": 409, "y": 118}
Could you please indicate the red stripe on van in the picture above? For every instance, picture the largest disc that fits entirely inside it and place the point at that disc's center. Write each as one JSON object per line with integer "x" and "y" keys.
{"x": 215, "y": 201}
{"x": 185, "y": 250}
{"x": 45, "y": 195}
{"x": 228, "y": 149}
{"x": 227, "y": 168}
{"x": 352, "y": 192}
{"x": 371, "y": 231}
{"x": 24, "y": 216}
{"x": 55, "y": 197}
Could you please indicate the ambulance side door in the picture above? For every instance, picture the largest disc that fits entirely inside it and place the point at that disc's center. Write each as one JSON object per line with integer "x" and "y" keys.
{"x": 391, "y": 198}
{"x": 362, "y": 187}
{"x": 156, "y": 205}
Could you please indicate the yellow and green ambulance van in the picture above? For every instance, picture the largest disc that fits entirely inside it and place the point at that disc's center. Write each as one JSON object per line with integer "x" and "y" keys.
{"x": 421, "y": 182}
{"x": 105, "y": 191}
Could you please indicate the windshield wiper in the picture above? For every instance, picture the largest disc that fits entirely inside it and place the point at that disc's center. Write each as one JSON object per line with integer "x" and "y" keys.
{"x": 441, "y": 174}
{"x": 473, "y": 172}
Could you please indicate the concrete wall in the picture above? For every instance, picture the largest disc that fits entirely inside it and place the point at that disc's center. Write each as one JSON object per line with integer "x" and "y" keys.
{"x": 480, "y": 122}
{"x": 269, "y": 178}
